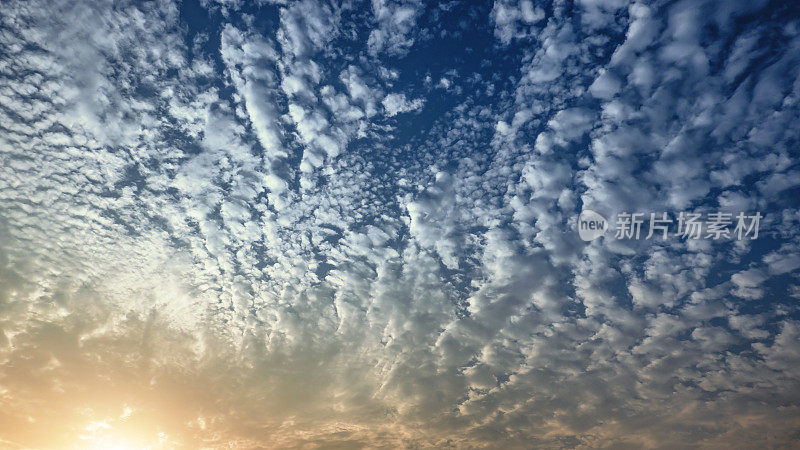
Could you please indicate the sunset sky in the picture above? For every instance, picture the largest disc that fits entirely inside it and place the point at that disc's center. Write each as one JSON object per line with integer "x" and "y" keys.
{"x": 302, "y": 224}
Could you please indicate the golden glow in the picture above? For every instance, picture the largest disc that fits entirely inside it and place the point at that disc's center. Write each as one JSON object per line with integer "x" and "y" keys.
{"x": 100, "y": 435}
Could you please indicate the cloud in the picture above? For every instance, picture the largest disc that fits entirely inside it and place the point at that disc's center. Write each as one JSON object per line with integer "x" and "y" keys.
{"x": 395, "y": 22}
{"x": 514, "y": 20}
{"x": 227, "y": 233}
{"x": 606, "y": 85}
{"x": 395, "y": 104}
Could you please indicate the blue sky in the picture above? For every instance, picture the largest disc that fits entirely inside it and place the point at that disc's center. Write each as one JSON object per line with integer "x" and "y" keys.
{"x": 304, "y": 224}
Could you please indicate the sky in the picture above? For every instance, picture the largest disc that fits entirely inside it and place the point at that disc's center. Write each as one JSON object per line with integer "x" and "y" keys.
{"x": 308, "y": 224}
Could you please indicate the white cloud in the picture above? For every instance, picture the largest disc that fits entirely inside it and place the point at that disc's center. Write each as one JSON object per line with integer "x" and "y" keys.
{"x": 395, "y": 104}
{"x": 513, "y": 19}
{"x": 395, "y": 22}
{"x": 241, "y": 254}
{"x": 605, "y": 86}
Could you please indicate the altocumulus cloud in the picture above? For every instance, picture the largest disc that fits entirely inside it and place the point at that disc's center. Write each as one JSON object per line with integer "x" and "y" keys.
{"x": 227, "y": 224}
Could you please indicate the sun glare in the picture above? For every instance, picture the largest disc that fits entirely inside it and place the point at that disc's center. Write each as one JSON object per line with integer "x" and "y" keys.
{"x": 101, "y": 435}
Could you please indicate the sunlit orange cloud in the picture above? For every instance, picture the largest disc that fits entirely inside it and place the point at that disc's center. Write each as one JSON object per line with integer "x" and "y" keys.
{"x": 101, "y": 378}
{"x": 77, "y": 383}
